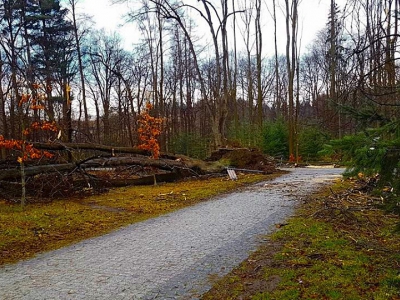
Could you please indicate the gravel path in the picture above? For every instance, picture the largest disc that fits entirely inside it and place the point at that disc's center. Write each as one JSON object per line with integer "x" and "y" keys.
{"x": 171, "y": 257}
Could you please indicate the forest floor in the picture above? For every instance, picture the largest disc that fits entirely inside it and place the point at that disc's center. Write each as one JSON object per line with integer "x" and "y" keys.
{"x": 339, "y": 245}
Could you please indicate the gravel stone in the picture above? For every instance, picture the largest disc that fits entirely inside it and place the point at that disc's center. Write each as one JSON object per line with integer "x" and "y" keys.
{"x": 175, "y": 256}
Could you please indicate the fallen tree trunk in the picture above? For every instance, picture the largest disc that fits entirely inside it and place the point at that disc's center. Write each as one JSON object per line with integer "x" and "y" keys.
{"x": 35, "y": 170}
{"x": 162, "y": 164}
{"x": 84, "y": 146}
{"x": 192, "y": 165}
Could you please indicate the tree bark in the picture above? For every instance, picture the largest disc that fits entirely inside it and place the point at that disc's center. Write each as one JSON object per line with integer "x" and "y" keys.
{"x": 80, "y": 65}
{"x": 291, "y": 63}
{"x": 259, "y": 64}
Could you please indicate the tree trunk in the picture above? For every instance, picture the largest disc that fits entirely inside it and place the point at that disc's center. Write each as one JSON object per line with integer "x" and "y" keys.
{"x": 259, "y": 64}
{"x": 3, "y": 116}
{"x": 277, "y": 93}
{"x": 80, "y": 66}
{"x": 290, "y": 64}
{"x": 333, "y": 62}
{"x": 235, "y": 71}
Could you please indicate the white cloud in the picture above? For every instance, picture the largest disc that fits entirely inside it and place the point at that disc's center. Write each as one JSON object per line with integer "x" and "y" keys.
{"x": 313, "y": 18}
{"x": 110, "y": 17}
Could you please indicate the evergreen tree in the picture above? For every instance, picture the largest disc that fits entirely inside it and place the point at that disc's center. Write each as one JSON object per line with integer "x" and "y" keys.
{"x": 51, "y": 36}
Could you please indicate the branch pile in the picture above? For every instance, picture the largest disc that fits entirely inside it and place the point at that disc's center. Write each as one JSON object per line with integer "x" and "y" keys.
{"x": 343, "y": 206}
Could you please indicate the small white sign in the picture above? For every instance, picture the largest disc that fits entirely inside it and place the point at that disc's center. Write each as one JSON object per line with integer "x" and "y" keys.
{"x": 232, "y": 174}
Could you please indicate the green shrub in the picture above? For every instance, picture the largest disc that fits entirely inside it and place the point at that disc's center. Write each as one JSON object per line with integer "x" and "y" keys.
{"x": 276, "y": 138}
{"x": 345, "y": 149}
{"x": 311, "y": 142}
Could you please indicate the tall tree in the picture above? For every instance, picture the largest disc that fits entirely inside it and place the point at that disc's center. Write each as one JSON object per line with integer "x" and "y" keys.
{"x": 12, "y": 25}
{"x": 278, "y": 99}
{"x": 51, "y": 37}
{"x": 259, "y": 44}
{"x": 291, "y": 64}
{"x": 77, "y": 37}
{"x": 247, "y": 19}
{"x": 333, "y": 59}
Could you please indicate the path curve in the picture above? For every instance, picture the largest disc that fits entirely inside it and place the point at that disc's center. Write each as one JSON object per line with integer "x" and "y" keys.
{"x": 174, "y": 256}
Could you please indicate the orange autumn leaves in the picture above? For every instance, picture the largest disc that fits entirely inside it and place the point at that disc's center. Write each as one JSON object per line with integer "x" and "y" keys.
{"x": 149, "y": 129}
{"x": 28, "y": 151}
{"x": 45, "y": 126}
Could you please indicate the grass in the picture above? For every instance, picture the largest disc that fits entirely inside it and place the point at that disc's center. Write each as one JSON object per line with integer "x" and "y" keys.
{"x": 321, "y": 256}
{"x": 25, "y": 232}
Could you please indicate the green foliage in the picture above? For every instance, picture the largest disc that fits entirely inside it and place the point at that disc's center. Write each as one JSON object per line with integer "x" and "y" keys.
{"x": 246, "y": 135}
{"x": 344, "y": 149}
{"x": 311, "y": 142}
{"x": 376, "y": 151}
{"x": 370, "y": 152}
{"x": 276, "y": 138}
{"x": 361, "y": 153}
{"x": 190, "y": 145}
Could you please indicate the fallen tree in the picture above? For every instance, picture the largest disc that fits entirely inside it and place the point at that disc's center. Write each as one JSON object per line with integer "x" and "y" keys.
{"x": 35, "y": 170}
{"x": 117, "y": 166}
{"x": 194, "y": 166}
{"x": 94, "y": 147}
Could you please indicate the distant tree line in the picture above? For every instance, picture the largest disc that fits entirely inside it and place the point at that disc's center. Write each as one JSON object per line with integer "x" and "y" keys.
{"x": 209, "y": 91}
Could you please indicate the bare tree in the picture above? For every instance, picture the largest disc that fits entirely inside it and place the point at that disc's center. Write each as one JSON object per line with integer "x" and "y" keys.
{"x": 104, "y": 61}
{"x": 3, "y": 93}
{"x": 291, "y": 64}
{"x": 278, "y": 97}
{"x": 259, "y": 44}
{"x": 247, "y": 19}
{"x": 12, "y": 22}
{"x": 78, "y": 36}
{"x": 221, "y": 93}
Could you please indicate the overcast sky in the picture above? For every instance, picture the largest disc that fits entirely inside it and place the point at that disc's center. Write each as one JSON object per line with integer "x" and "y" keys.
{"x": 313, "y": 16}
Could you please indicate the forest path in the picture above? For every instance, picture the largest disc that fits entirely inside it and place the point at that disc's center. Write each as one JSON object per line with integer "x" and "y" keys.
{"x": 175, "y": 256}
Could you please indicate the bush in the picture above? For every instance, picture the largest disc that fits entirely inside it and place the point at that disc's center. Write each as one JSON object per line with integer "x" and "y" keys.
{"x": 311, "y": 142}
{"x": 276, "y": 139}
